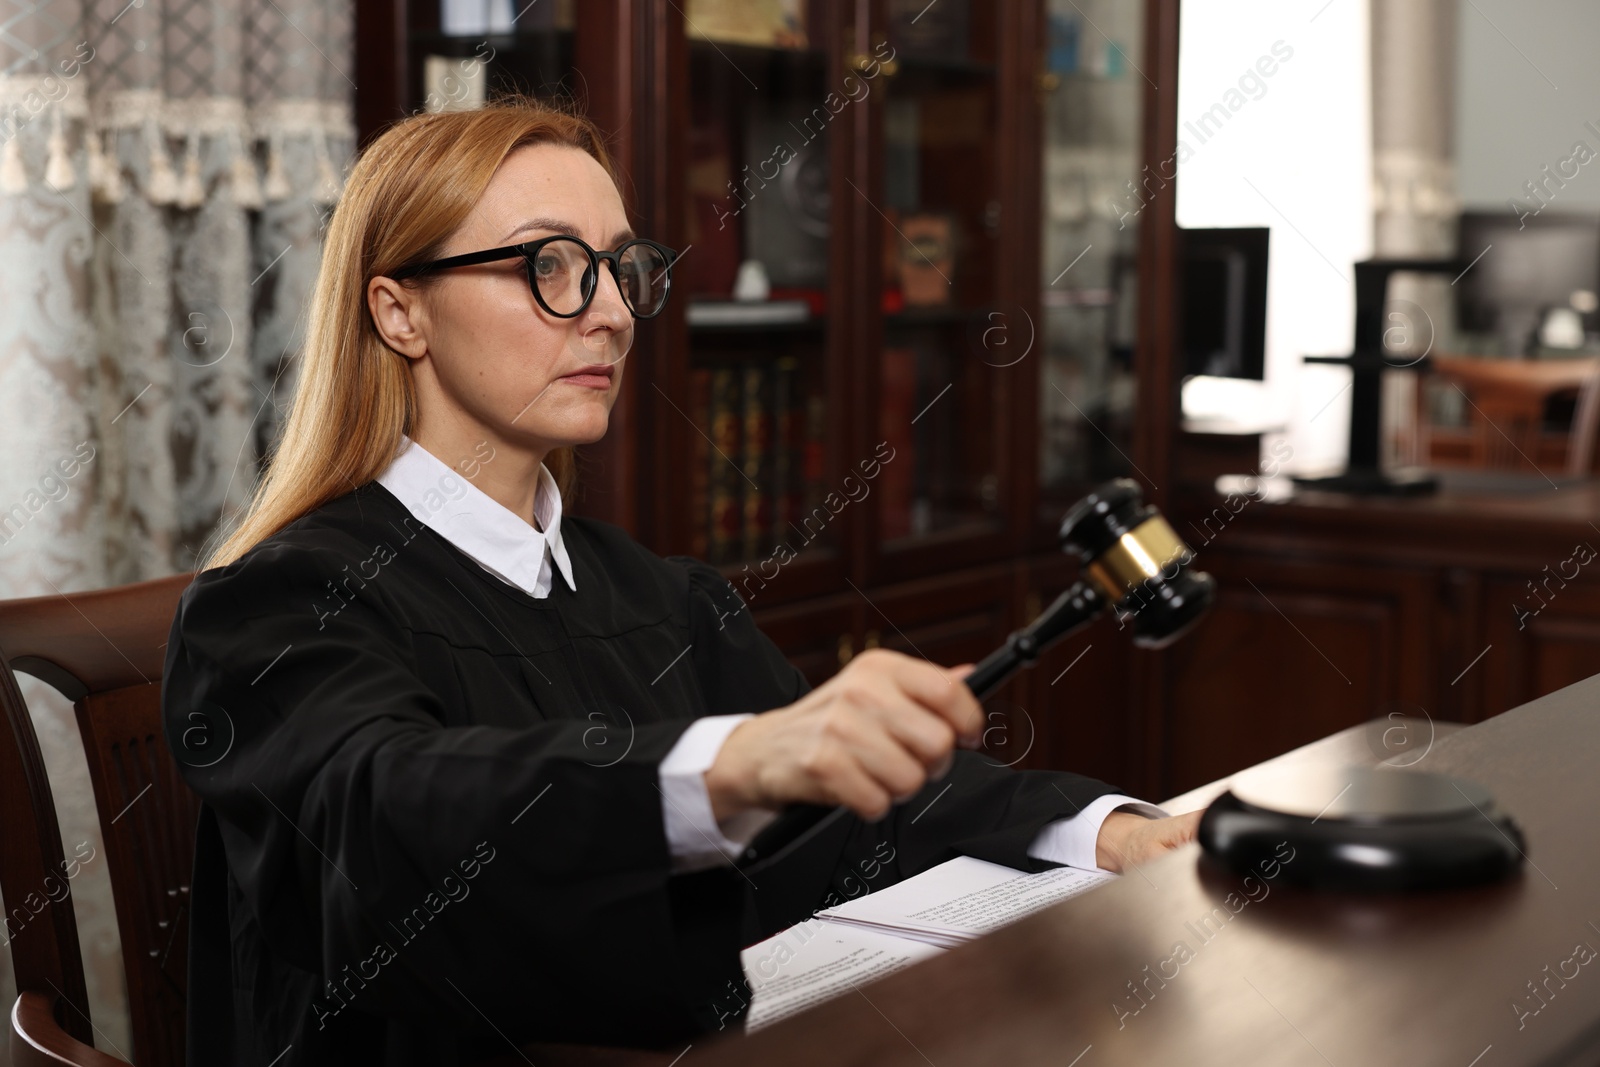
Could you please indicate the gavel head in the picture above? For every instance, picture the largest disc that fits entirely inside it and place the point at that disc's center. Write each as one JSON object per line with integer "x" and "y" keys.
{"x": 1133, "y": 558}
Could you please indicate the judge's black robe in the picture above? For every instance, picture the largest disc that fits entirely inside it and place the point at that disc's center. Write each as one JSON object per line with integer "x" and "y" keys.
{"x": 431, "y": 821}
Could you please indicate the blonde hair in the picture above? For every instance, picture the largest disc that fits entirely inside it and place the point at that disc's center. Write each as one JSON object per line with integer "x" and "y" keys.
{"x": 407, "y": 193}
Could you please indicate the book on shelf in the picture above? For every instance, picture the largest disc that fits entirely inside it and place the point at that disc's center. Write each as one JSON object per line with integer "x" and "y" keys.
{"x": 788, "y": 450}
{"x": 816, "y": 460}
{"x": 756, "y": 458}
{"x": 761, "y": 471}
{"x": 726, "y": 484}
{"x": 700, "y": 457}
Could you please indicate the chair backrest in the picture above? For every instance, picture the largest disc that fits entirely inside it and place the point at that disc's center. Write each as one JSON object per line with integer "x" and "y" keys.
{"x": 1585, "y": 424}
{"x": 104, "y": 650}
{"x": 1505, "y": 402}
{"x": 1506, "y": 429}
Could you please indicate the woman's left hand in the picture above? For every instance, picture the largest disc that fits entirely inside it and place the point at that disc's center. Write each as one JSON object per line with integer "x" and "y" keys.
{"x": 1127, "y": 840}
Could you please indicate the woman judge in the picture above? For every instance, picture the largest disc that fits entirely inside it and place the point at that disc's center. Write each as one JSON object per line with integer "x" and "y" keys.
{"x": 475, "y": 772}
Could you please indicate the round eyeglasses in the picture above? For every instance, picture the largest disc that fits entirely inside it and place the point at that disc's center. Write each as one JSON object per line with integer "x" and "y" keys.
{"x": 564, "y": 271}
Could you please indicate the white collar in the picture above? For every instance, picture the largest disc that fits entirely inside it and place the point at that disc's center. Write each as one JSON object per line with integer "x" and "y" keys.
{"x": 499, "y": 540}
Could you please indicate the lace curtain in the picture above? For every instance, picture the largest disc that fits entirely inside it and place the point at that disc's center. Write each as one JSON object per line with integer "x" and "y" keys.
{"x": 166, "y": 167}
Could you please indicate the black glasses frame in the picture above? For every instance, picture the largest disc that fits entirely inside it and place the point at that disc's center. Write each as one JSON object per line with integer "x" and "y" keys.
{"x": 528, "y": 249}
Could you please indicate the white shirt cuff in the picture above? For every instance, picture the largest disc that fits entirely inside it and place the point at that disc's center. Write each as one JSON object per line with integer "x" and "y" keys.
{"x": 694, "y": 837}
{"x": 1072, "y": 840}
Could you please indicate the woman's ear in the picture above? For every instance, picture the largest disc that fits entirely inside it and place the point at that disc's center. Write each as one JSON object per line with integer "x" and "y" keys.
{"x": 399, "y": 316}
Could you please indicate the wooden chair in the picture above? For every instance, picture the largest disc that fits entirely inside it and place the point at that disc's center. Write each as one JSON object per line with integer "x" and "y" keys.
{"x": 1505, "y": 414}
{"x": 104, "y": 651}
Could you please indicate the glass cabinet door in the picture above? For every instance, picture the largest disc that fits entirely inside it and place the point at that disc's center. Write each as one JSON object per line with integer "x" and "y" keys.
{"x": 756, "y": 272}
{"x": 463, "y": 51}
{"x": 939, "y": 389}
{"x": 1091, "y": 112}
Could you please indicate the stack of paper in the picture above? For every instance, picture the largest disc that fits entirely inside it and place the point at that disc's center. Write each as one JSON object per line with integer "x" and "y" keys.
{"x": 816, "y": 961}
{"x": 961, "y": 900}
{"x": 861, "y": 941}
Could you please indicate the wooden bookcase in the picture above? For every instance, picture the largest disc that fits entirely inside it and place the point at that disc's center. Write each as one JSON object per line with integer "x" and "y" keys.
{"x": 973, "y": 304}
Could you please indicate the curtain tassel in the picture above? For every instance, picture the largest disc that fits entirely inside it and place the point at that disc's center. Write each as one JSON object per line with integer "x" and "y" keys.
{"x": 277, "y": 184}
{"x": 58, "y": 172}
{"x": 13, "y": 178}
{"x": 327, "y": 181}
{"x": 246, "y": 186}
{"x": 162, "y": 187}
{"x": 96, "y": 162}
{"x": 191, "y": 190}
{"x": 105, "y": 168}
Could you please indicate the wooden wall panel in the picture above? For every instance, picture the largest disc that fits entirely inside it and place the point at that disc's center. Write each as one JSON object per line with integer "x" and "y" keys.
{"x": 952, "y": 619}
{"x": 1260, "y": 678}
{"x": 1081, "y": 695}
{"x": 1292, "y": 651}
{"x": 1565, "y": 651}
{"x": 811, "y": 634}
{"x": 1540, "y": 643}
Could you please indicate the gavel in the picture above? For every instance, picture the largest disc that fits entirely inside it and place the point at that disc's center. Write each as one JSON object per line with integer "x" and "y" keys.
{"x": 1132, "y": 562}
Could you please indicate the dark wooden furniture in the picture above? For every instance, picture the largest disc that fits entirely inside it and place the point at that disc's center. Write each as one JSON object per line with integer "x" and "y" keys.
{"x": 1334, "y": 609}
{"x": 1506, "y": 400}
{"x": 104, "y": 651}
{"x": 1060, "y": 368}
{"x": 1289, "y": 977}
{"x": 37, "y": 1039}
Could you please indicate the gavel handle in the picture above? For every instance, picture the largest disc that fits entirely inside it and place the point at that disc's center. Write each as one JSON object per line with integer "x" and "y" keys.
{"x": 1071, "y": 610}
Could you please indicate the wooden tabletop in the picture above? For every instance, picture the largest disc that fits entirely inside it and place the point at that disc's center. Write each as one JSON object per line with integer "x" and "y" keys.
{"x": 1535, "y": 378}
{"x": 1294, "y": 977}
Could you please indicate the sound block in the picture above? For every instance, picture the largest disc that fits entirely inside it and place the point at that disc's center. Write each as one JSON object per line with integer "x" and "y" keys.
{"x": 1363, "y": 829}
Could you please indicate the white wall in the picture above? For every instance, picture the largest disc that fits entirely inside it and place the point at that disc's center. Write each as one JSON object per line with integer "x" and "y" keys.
{"x": 1527, "y": 81}
{"x": 1294, "y": 154}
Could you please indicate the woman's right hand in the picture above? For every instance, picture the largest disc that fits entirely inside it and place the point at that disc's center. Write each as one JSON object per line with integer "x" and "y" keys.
{"x": 871, "y": 735}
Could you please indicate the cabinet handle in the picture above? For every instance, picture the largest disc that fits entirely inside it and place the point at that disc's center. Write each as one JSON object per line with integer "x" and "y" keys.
{"x": 1030, "y": 608}
{"x": 871, "y": 639}
{"x": 845, "y": 649}
{"x": 1049, "y": 82}
{"x": 861, "y": 62}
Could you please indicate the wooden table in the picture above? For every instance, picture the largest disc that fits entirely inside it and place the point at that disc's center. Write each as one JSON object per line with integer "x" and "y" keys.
{"x": 1532, "y": 378}
{"x": 1507, "y": 398}
{"x": 1294, "y": 977}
